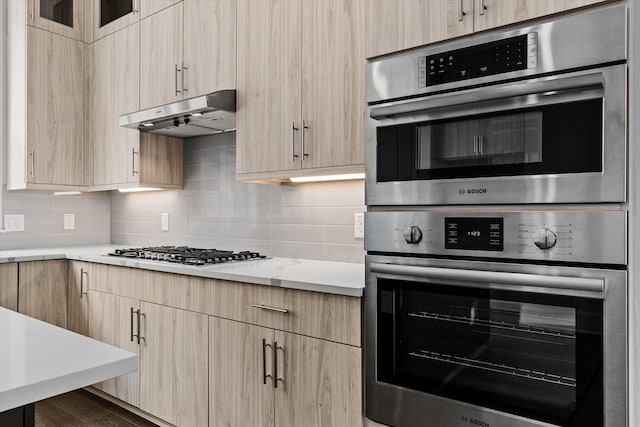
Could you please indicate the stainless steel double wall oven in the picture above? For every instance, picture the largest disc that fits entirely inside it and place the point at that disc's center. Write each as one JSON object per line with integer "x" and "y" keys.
{"x": 496, "y": 233}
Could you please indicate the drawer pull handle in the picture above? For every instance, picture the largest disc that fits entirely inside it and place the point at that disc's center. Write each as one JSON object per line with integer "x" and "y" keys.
{"x": 266, "y": 307}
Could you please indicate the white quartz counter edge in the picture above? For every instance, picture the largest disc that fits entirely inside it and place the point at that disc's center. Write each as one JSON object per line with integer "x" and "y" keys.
{"x": 39, "y": 360}
{"x": 340, "y": 278}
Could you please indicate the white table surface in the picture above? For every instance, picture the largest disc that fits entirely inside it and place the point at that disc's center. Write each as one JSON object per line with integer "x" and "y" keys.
{"x": 342, "y": 278}
{"x": 39, "y": 360}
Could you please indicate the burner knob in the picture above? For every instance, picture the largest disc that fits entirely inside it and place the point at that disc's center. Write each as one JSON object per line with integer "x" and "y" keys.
{"x": 412, "y": 234}
{"x": 545, "y": 238}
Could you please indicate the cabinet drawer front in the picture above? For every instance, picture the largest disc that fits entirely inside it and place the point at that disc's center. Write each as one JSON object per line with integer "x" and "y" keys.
{"x": 327, "y": 316}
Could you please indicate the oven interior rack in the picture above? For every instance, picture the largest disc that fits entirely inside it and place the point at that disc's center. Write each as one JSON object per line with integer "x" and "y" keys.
{"x": 493, "y": 367}
{"x": 493, "y": 324}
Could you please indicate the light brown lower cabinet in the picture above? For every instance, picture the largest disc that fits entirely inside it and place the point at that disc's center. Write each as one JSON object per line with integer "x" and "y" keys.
{"x": 171, "y": 381}
{"x": 42, "y": 290}
{"x": 264, "y": 377}
{"x": 210, "y": 350}
{"x": 112, "y": 321}
{"x": 174, "y": 364}
{"x": 9, "y": 286}
{"x": 78, "y": 276}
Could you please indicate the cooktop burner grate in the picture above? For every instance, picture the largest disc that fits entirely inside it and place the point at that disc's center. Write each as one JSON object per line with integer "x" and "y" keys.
{"x": 186, "y": 255}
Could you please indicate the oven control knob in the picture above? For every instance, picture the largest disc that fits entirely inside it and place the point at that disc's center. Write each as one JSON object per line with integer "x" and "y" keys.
{"x": 545, "y": 238}
{"x": 412, "y": 234}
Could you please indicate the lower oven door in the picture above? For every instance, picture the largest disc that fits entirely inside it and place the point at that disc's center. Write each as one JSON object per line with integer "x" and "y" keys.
{"x": 461, "y": 343}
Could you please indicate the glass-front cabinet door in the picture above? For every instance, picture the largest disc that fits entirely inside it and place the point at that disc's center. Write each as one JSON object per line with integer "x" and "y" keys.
{"x": 113, "y": 15}
{"x": 64, "y": 17}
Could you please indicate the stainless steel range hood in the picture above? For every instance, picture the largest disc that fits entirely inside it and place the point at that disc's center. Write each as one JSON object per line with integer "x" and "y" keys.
{"x": 202, "y": 115}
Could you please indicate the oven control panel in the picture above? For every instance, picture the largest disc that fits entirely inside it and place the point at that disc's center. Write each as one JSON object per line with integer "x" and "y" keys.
{"x": 502, "y": 56}
{"x": 597, "y": 237}
{"x": 474, "y": 234}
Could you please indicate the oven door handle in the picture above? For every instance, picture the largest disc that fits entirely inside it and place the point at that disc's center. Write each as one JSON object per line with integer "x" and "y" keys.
{"x": 481, "y": 278}
{"x": 537, "y": 91}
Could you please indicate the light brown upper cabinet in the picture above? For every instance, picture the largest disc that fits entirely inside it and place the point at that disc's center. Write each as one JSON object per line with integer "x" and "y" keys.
{"x": 187, "y": 50}
{"x": 63, "y": 17}
{"x": 496, "y": 13}
{"x": 149, "y": 7}
{"x": 300, "y": 89}
{"x": 125, "y": 157}
{"x": 394, "y": 25}
{"x": 113, "y": 15}
{"x": 45, "y": 81}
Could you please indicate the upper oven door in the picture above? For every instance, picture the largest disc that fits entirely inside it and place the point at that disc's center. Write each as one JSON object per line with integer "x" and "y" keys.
{"x": 554, "y": 139}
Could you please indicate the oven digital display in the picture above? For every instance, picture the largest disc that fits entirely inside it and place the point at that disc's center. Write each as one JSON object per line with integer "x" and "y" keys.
{"x": 474, "y": 234}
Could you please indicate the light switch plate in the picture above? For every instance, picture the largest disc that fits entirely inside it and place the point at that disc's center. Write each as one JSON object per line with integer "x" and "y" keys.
{"x": 164, "y": 219}
{"x": 358, "y": 225}
{"x": 69, "y": 221}
{"x": 14, "y": 222}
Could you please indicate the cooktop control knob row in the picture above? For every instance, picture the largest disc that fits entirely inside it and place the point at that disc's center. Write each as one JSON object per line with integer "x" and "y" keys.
{"x": 412, "y": 234}
{"x": 545, "y": 238}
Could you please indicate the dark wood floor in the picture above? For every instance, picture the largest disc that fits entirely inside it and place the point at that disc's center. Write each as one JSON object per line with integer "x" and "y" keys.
{"x": 81, "y": 408}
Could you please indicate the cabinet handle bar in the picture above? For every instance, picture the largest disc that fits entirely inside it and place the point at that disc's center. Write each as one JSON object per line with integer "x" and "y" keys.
{"x": 294, "y": 156}
{"x": 82, "y": 273}
{"x": 184, "y": 74}
{"x": 264, "y": 362}
{"x": 266, "y": 307}
{"x": 461, "y": 12}
{"x": 304, "y": 127}
{"x": 134, "y": 172}
{"x": 131, "y": 329}
{"x": 277, "y": 379}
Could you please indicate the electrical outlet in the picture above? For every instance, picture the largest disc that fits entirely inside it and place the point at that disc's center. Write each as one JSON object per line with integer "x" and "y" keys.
{"x": 14, "y": 222}
{"x": 164, "y": 219}
{"x": 69, "y": 221}
{"x": 358, "y": 225}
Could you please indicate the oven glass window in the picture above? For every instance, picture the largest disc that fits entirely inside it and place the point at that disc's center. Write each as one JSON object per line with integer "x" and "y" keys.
{"x": 534, "y": 355}
{"x": 548, "y": 139}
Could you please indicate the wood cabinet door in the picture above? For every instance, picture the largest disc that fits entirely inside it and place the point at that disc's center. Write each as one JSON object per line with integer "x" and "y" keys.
{"x": 111, "y": 321}
{"x": 333, "y": 102}
{"x": 393, "y": 25}
{"x": 114, "y": 90}
{"x": 496, "y": 13}
{"x": 149, "y": 7}
{"x": 42, "y": 290}
{"x": 161, "y": 57}
{"x": 63, "y": 17}
{"x": 320, "y": 382}
{"x": 240, "y": 395}
{"x": 120, "y": 15}
{"x": 174, "y": 365}
{"x": 78, "y": 276}
{"x": 209, "y": 46}
{"x": 9, "y": 286}
{"x": 55, "y": 105}
{"x": 268, "y": 90}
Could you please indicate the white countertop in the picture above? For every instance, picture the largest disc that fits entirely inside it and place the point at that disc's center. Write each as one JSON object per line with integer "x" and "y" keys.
{"x": 39, "y": 360}
{"x": 341, "y": 278}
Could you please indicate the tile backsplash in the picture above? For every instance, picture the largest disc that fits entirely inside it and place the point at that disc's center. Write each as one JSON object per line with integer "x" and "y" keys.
{"x": 43, "y": 219}
{"x": 312, "y": 220}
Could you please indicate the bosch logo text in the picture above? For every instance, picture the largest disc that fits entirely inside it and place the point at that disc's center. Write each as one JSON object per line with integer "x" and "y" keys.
{"x": 472, "y": 191}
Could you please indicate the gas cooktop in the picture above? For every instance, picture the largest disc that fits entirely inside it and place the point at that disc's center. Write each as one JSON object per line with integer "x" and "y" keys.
{"x": 186, "y": 255}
